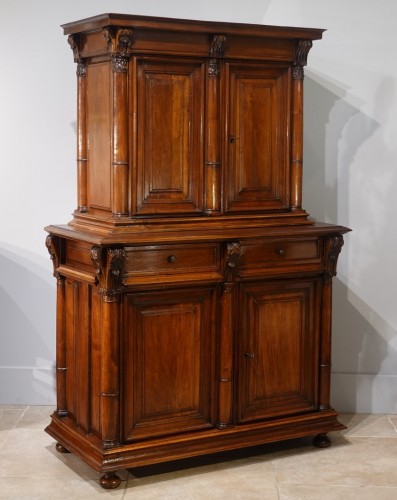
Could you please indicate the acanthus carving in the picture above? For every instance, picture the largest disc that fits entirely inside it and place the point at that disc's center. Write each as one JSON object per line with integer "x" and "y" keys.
{"x": 109, "y": 263}
{"x": 333, "y": 247}
{"x": 301, "y": 53}
{"x": 217, "y": 51}
{"x": 233, "y": 254}
{"x": 81, "y": 68}
{"x": 119, "y": 42}
{"x": 53, "y": 246}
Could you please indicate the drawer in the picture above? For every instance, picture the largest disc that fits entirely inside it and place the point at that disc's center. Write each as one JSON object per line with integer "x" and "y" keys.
{"x": 276, "y": 253}
{"x": 172, "y": 259}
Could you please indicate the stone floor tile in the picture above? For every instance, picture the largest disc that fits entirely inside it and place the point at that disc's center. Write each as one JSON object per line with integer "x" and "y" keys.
{"x": 35, "y": 417}
{"x": 348, "y": 462}
{"x": 9, "y": 417}
{"x": 55, "y": 489}
{"x": 393, "y": 420}
{"x": 367, "y": 425}
{"x": 299, "y": 492}
{"x": 32, "y": 453}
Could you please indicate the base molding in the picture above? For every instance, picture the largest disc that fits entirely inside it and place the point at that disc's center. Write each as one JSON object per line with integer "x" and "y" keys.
{"x": 146, "y": 452}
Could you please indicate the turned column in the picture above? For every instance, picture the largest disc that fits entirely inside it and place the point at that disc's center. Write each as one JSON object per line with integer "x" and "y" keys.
{"x": 109, "y": 266}
{"x": 333, "y": 246}
{"x": 226, "y": 337}
{"x": 119, "y": 43}
{"x": 301, "y": 52}
{"x": 82, "y": 200}
{"x": 54, "y": 244}
{"x": 212, "y": 125}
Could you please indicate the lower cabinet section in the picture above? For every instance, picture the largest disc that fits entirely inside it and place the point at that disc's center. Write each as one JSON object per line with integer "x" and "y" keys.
{"x": 278, "y": 348}
{"x": 157, "y": 367}
{"x": 168, "y": 362}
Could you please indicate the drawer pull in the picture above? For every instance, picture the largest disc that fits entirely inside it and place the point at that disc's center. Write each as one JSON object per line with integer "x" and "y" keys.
{"x": 171, "y": 259}
{"x": 280, "y": 252}
{"x": 250, "y": 355}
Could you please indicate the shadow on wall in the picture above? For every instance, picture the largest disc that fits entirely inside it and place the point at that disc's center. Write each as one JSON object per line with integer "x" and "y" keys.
{"x": 337, "y": 133}
{"x": 363, "y": 356}
{"x": 329, "y": 118}
{"x": 27, "y": 326}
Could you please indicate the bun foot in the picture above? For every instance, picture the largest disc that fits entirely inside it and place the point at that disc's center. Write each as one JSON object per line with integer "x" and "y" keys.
{"x": 321, "y": 441}
{"x": 109, "y": 481}
{"x": 61, "y": 449}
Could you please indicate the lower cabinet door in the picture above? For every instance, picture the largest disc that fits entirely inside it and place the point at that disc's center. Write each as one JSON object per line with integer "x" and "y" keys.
{"x": 168, "y": 362}
{"x": 278, "y": 353}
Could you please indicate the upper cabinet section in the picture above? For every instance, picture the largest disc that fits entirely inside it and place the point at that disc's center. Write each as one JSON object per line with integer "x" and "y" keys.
{"x": 188, "y": 122}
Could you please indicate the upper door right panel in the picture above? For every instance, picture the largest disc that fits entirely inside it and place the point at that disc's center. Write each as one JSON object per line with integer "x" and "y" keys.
{"x": 258, "y": 137}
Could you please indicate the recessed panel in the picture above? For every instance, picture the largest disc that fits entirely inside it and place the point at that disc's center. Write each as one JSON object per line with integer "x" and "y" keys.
{"x": 169, "y": 158}
{"x": 258, "y": 147}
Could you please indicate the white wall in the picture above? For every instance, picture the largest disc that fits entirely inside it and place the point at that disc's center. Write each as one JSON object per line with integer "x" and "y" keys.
{"x": 350, "y": 152}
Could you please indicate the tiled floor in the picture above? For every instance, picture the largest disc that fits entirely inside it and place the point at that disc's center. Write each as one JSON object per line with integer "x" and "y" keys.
{"x": 361, "y": 465}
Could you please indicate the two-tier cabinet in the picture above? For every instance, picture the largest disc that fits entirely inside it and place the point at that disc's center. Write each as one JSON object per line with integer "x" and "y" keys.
{"x": 193, "y": 291}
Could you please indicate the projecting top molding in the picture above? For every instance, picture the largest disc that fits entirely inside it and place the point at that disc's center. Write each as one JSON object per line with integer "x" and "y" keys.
{"x": 186, "y": 37}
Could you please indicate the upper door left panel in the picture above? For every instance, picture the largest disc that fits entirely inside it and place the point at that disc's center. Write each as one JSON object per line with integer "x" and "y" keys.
{"x": 168, "y": 161}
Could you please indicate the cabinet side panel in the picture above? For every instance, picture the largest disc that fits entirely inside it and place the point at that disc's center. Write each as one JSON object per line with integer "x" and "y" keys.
{"x": 99, "y": 136}
{"x": 70, "y": 329}
{"x": 83, "y": 344}
{"x": 96, "y": 322}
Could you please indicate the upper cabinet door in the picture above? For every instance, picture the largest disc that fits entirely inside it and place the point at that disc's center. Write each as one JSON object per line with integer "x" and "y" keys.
{"x": 257, "y": 170}
{"x": 169, "y": 152}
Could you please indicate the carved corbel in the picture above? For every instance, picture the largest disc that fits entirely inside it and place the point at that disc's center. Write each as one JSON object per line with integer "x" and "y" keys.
{"x": 109, "y": 263}
{"x": 233, "y": 254}
{"x": 333, "y": 247}
{"x": 300, "y": 60}
{"x": 74, "y": 42}
{"x": 217, "y": 51}
{"x": 53, "y": 245}
{"x": 119, "y": 42}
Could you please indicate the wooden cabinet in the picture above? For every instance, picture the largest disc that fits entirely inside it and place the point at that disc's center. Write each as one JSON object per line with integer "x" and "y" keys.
{"x": 193, "y": 291}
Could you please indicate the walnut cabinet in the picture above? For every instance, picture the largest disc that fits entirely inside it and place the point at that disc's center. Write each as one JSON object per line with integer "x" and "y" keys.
{"x": 193, "y": 291}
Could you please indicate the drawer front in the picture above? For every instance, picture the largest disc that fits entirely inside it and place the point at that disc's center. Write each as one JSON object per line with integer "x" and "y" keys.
{"x": 172, "y": 259}
{"x": 276, "y": 253}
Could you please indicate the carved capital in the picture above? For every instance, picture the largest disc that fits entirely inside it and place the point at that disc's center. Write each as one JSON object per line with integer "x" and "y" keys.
{"x": 119, "y": 42}
{"x": 301, "y": 52}
{"x": 81, "y": 68}
{"x": 119, "y": 63}
{"x": 333, "y": 247}
{"x": 109, "y": 263}
{"x": 233, "y": 254}
{"x": 53, "y": 245}
{"x": 217, "y": 51}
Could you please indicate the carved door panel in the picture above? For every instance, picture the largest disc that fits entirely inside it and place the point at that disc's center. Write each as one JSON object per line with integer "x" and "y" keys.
{"x": 169, "y": 344}
{"x": 258, "y": 137}
{"x": 279, "y": 348}
{"x": 169, "y": 175}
